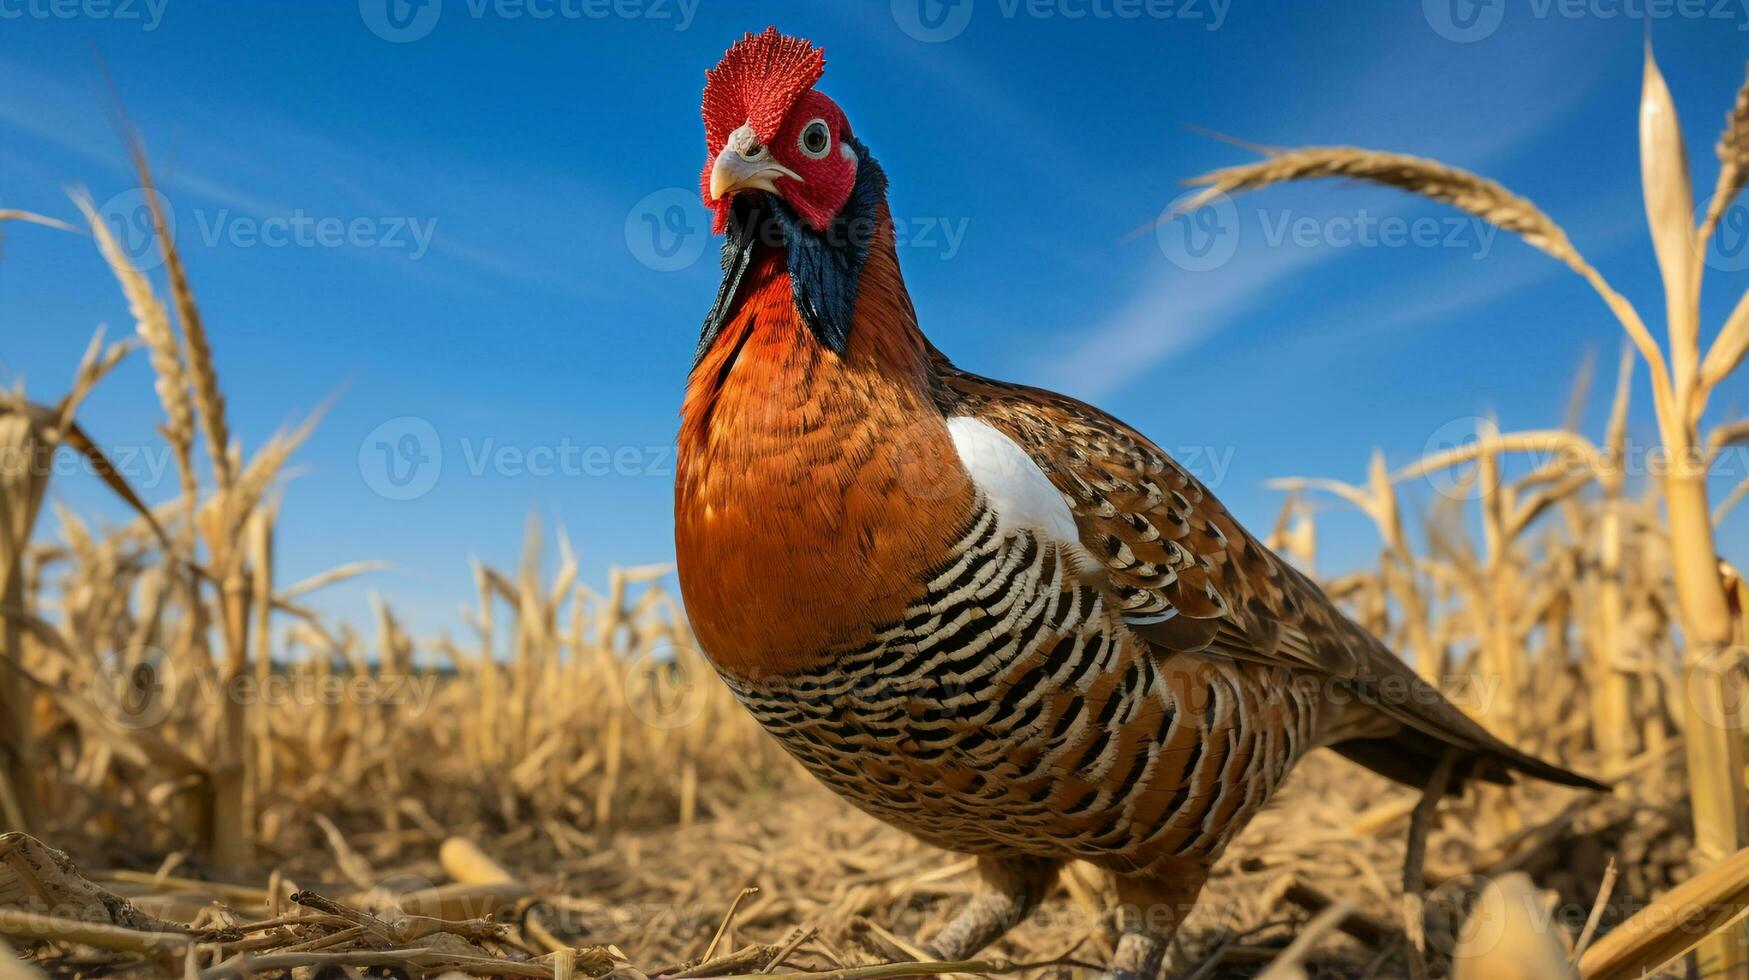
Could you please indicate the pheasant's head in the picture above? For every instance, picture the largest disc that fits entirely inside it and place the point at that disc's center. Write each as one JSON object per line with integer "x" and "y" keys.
{"x": 796, "y": 195}
{"x": 767, "y": 129}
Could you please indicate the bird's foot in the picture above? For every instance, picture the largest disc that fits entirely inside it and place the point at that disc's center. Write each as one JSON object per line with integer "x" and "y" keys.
{"x": 1139, "y": 956}
{"x": 1015, "y": 887}
{"x": 980, "y": 922}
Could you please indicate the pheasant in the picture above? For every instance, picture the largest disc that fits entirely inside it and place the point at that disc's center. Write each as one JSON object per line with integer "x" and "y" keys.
{"x": 988, "y": 614}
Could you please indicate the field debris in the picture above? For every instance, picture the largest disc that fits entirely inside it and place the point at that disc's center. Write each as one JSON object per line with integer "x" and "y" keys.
{"x": 795, "y": 882}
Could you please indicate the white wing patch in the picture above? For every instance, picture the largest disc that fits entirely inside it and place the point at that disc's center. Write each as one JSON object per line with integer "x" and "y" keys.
{"x": 1017, "y": 490}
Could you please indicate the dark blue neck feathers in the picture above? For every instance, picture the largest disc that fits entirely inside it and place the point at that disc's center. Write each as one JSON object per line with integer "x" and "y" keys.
{"x": 824, "y": 267}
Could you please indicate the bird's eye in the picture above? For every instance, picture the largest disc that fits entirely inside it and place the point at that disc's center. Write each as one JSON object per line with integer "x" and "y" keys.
{"x": 816, "y": 139}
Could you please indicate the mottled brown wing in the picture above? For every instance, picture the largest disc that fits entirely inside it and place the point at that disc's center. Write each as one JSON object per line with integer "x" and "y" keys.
{"x": 1184, "y": 573}
{"x": 1187, "y": 577}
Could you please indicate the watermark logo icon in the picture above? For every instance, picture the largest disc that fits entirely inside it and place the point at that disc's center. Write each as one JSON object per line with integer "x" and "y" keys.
{"x": 932, "y": 21}
{"x": 1464, "y": 21}
{"x": 664, "y": 687}
{"x": 1461, "y": 482}
{"x": 1728, "y": 249}
{"x": 401, "y": 459}
{"x": 135, "y": 688}
{"x": 128, "y": 216}
{"x": 400, "y": 21}
{"x": 667, "y": 230}
{"x": 148, "y": 14}
{"x": 1718, "y": 687}
{"x": 1200, "y": 238}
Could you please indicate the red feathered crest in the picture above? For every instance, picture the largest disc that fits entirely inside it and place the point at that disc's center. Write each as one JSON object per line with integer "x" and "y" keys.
{"x": 757, "y": 82}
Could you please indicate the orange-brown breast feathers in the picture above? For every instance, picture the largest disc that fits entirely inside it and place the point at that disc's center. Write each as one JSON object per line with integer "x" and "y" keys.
{"x": 814, "y": 491}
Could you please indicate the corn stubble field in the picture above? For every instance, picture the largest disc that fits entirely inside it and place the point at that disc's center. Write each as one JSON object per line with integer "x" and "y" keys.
{"x": 202, "y": 777}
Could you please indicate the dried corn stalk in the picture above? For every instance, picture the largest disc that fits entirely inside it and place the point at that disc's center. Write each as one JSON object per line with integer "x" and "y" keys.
{"x": 1681, "y": 386}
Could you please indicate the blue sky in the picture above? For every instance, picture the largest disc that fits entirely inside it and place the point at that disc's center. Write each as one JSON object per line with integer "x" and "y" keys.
{"x": 478, "y": 232}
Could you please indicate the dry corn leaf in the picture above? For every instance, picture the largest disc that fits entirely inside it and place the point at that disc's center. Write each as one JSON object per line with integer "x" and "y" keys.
{"x": 1669, "y": 200}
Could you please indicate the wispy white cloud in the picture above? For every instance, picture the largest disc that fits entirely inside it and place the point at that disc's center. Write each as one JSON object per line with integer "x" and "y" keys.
{"x": 1456, "y": 290}
{"x": 1173, "y": 311}
{"x": 273, "y": 168}
{"x": 77, "y": 123}
{"x": 1168, "y": 316}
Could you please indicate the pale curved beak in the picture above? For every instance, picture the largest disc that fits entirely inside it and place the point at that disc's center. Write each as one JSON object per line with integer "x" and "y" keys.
{"x": 745, "y": 164}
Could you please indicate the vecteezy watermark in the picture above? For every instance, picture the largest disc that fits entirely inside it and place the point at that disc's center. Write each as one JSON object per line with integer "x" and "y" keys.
{"x": 1209, "y": 464}
{"x": 1464, "y": 480}
{"x": 682, "y": 920}
{"x": 1717, "y": 687}
{"x": 1486, "y": 925}
{"x": 1467, "y": 21}
{"x": 148, "y": 14}
{"x": 934, "y": 21}
{"x": 144, "y": 467}
{"x": 403, "y": 459}
{"x": 141, "y": 687}
{"x": 1728, "y": 248}
{"x": 128, "y": 216}
{"x": 413, "y": 691}
{"x": 301, "y": 230}
{"x": 1364, "y": 229}
{"x": 948, "y": 694}
{"x": 928, "y": 233}
{"x": 1464, "y": 21}
{"x": 565, "y": 458}
{"x": 400, "y": 21}
{"x": 1199, "y": 238}
{"x": 666, "y": 686}
{"x": 135, "y": 688}
{"x": 669, "y": 230}
{"x": 404, "y": 21}
{"x": 1203, "y": 237}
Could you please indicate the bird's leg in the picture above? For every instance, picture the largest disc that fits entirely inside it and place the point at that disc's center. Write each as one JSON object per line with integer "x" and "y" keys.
{"x": 1151, "y": 907}
{"x": 1014, "y": 887}
{"x": 1138, "y": 957}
